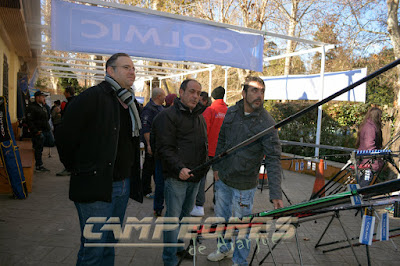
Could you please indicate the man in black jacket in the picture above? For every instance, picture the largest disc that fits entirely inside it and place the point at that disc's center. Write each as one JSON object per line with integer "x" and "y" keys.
{"x": 37, "y": 118}
{"x": 69, "y": 94}
{"x": 100, "y": 144}
{"x": 152, "y": 108}
{"x": 181, "y": 145}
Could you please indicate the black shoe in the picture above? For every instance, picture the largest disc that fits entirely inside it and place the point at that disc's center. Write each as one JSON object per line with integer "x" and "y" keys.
{"x": 157, "y": 213}
{"x": 42, "y": 169}
{"x": 184, "y": 254}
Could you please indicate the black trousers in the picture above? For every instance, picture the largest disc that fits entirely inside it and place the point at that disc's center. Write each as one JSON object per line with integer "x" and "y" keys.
{"x": 147, "y": 173}
{"x": 37, "y": 145}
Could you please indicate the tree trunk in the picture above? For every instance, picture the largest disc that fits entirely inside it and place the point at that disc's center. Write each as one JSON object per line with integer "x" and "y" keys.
{"x": 291, "y": 32}
{"x": 394, "y": 33}
{"x": 165, "y": 83}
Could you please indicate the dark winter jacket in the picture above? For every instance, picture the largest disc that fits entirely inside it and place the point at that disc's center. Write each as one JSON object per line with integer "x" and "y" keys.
{"x": 37, "y": 118}
{"x": 240, "y": 169}
{"x": 64, "y": 106}
{"x": 88, "y": 137}
{"x": 149, "y": 112}
{"x": 181, "y": 140}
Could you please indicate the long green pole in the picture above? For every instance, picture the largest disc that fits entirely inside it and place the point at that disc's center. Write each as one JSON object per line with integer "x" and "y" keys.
{"x": 370, "y": 191}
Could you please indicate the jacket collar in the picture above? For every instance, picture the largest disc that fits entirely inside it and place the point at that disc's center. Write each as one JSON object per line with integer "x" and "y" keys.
{"x": 199, "y": 109}
{"x": 107, "y": 87}
{"x": 219, "y": 102}
{"x": 239, "y": 107}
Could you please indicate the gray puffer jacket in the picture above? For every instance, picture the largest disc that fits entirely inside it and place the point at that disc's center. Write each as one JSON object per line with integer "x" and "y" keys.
{"x": 240, "y": 169}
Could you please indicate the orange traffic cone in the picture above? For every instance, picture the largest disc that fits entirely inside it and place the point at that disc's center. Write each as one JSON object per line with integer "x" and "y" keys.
{"x": 319, "y": 179}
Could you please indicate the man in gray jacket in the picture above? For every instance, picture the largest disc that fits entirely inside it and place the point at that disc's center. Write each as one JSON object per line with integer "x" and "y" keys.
{"x": 236, "y": 174}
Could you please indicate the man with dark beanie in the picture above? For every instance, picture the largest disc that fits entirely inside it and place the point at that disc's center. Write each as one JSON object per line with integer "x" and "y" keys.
{"x": 214, "y": 116}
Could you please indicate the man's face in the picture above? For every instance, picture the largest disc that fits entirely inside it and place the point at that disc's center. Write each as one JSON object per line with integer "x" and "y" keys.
{"x": 123, "y": 71}
{"x": 191, "y": 96}
{"x": 254, "y": 97}
{"x": 40, "y": 99}
{"x": 161, "y": 98}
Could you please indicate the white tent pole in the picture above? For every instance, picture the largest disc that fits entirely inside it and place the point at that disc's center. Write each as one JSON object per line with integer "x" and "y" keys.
{"x": 226, "y": 82}
{"x": 301, "y": 52}
{"x": 209, "y": 82}
{"x": 319, "y": 121}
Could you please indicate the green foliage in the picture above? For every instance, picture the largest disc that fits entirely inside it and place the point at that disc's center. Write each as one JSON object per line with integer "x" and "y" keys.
{"x": 380, "y": 91}
{"x": 72, "y": 82}
{"x": 65, "y": 82}
{"x": 340, "y": 121}
{"x": 42, "y": 83}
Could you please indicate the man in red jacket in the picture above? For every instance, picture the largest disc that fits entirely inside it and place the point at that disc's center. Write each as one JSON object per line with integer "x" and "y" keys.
{"x": 214, "y": 116}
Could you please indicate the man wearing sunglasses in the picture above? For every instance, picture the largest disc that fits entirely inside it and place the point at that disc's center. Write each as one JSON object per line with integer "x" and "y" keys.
{"x": 237, "y": 174}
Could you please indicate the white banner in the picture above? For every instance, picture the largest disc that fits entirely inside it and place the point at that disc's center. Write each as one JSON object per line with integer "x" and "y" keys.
{"x": 308, "y": 87}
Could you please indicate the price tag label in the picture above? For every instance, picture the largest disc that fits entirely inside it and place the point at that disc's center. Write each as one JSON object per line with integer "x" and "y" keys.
{"x": 383, "y": 227}
{"x": 367, "y": 229}
{"x": 356, "y": 199}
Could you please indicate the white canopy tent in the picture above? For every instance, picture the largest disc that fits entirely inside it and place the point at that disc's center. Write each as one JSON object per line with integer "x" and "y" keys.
{"x": 94, "y": 69}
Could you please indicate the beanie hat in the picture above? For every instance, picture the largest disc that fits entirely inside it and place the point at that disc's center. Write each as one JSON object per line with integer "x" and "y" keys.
{"x": 218, "y": 93}
{"x": 170, "y": 99}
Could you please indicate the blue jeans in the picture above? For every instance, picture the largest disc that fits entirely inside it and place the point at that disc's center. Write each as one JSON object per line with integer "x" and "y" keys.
{"x": 158, "y": 203}
{"x": 116, "y": 208}
{"x": 228, "y": 199}
{"x": 179, "y": 201}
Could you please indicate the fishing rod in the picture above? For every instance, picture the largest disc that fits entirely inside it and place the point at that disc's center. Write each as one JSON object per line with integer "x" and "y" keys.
{"x": 300, "y": 210}
{"x": 368, "y": 192}
{"x": 296, "y": 115}
{"x": 305, "y": 209}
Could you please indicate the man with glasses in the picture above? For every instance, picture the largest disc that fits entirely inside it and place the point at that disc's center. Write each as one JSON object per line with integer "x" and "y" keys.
{"x": 100, "y": 144}
{"x": 236, "y": 175}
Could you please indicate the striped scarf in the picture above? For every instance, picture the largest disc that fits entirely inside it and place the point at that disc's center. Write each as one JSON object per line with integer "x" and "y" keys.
{"x": 127, "y": 99}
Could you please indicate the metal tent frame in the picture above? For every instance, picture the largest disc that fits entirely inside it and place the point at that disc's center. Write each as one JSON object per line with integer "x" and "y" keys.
{"x": 90, "y": 68}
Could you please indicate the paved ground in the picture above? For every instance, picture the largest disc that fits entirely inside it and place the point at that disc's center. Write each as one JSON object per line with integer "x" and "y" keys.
{"x": 43, "y": 229}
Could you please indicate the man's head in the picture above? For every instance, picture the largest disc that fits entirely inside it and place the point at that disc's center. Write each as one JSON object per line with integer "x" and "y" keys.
{"x": 218, "y": 93}
{"x": 40, "y": 97}
{"x": 69, "y": 92}
{"x": 253, "y": 94}
{"x": 204, "y": 98}
{"x": 189, "y": 93}
{"x": 120, "y": 67}
{"x": 158, "y": 96}
{"x": 169, "y": 100}
{"x": 57, "y": 102}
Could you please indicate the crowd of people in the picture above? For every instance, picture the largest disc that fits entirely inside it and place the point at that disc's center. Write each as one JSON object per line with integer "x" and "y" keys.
{"x": 98, "y": 135}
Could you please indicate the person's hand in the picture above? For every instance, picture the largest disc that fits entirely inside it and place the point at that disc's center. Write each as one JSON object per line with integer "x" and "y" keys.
{"x": 149, "y": 150}
{"x": 216, "y": 177}
{"x": 278, "y": 203}
{"x": 184, "y": 174}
